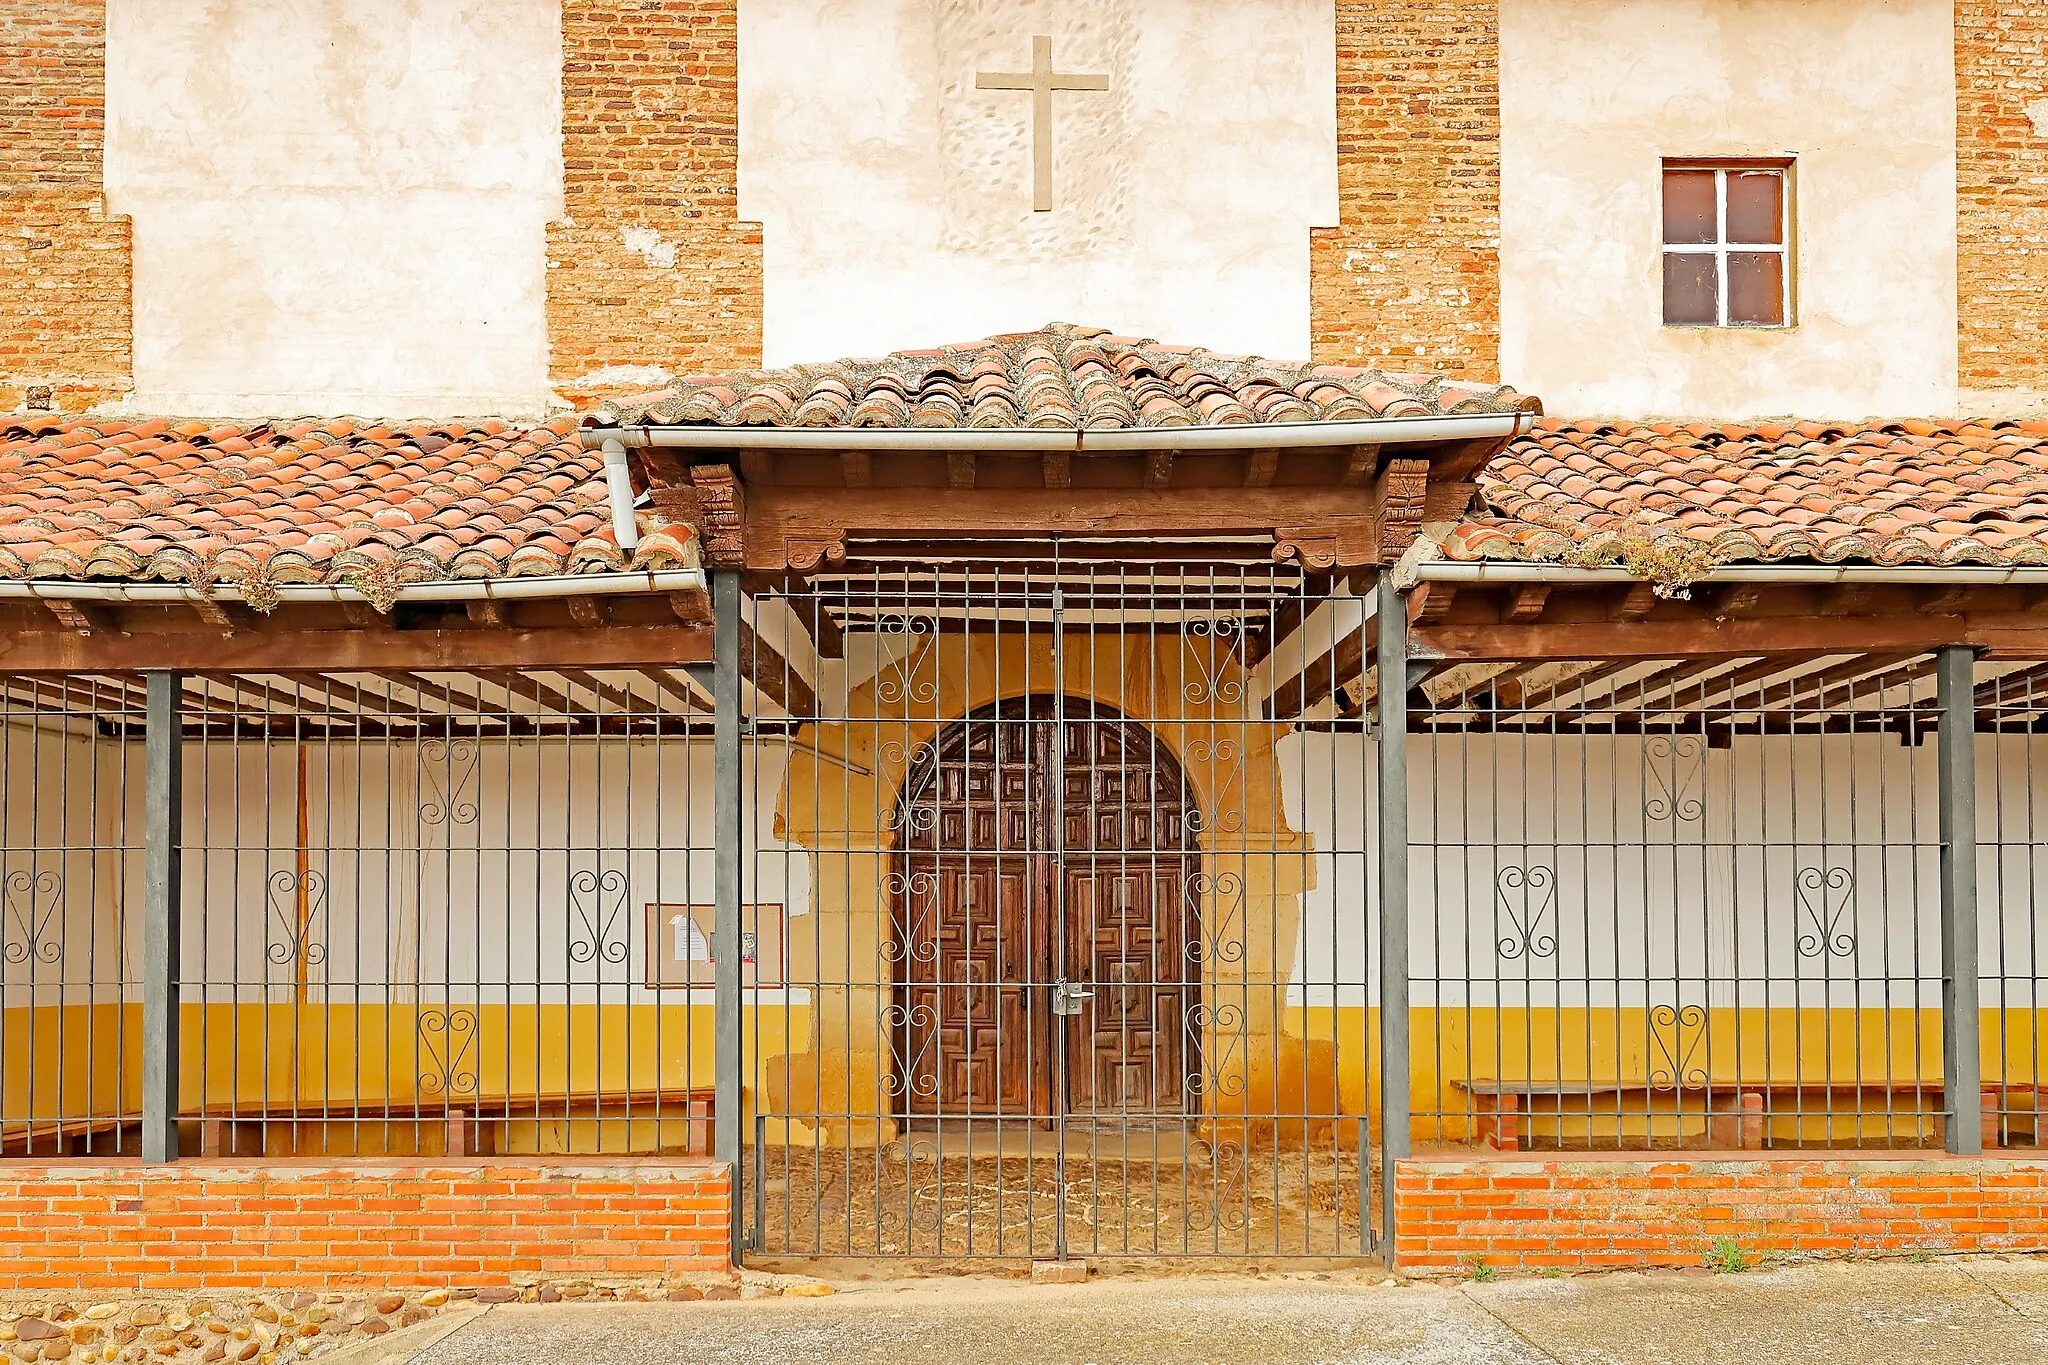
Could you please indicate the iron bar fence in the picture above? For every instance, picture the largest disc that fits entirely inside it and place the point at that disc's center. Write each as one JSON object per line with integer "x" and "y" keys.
{"x": 1050, "y": 884}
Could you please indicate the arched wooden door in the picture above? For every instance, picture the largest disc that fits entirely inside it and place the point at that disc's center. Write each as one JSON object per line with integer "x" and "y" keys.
{"x": 1044, "y": 841}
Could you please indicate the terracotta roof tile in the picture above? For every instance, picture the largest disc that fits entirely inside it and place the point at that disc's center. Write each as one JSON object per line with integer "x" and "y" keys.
{"x": 1060, "y": 376}
{"x": 280, "y": 503}
{"x": 1913, "y": 492}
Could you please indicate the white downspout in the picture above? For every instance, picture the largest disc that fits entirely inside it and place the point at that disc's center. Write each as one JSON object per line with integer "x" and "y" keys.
{"x": 620, "y": 485}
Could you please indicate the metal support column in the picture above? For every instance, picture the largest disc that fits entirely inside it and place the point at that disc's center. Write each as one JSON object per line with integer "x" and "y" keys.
{"x": 163, "y": 793}
{"x": 1960, "y": 1060}
{"x": 1391, "y": 667}
{"x": 728, "y": 858}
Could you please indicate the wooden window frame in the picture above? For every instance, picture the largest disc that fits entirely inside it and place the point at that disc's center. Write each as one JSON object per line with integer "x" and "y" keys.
{"x": 1719, "y": 248}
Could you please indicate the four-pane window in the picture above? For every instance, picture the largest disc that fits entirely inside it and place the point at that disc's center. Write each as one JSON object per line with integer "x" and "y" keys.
{"x": 1726, "y": 262}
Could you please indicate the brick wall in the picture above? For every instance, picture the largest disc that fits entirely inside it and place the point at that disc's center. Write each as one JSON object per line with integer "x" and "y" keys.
{"x": 64, "y": 265}
{"x": 1410, "y": 277}
{"x": 651, "y": 273}
{"x": 1529, "y": 1212}
{"x": 73, "y": 1226}
{"x": 2002, "y": 193}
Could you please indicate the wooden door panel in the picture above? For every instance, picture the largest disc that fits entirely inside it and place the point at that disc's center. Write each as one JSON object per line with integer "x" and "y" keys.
{"x": 1126, "y": 923}
{"x": 971, "y": 1004}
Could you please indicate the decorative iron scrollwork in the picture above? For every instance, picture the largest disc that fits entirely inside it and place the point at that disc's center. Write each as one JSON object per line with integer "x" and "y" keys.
{"x": 448, "y": 1052}
{"x": 1677, "y": 768}
{"x": 1221, "y": 895}
{"x": 1216, "y": 1035}
{"x": 297, "y": 941}
{"x": 1225, "y": 760}
{"x": 1211, "y": 682}
{"x": 1222, "y": 1205}
{"x": 449, "y": 767}
{"x": 1826, "y": 898}
{"x": 898, "y": 682}
{"x": 916, "y": 892}
{"x": 911, "y": 1076}
{"x": 1526, "y": 895}
{"x": 599, "y": 898}
{"x": 34, "y": 931}
{"x": 1677, "y": 1032}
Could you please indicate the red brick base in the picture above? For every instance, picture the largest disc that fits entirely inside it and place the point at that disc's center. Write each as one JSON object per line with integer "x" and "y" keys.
{"x": 1531, "y": 1211}
{"x": 77, "y": 1225}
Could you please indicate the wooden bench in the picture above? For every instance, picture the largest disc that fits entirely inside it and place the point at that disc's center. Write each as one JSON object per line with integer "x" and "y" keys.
{"x": 471, "y": 1125}
{"x": 1736, "y": 1110}
{"x": 474, "y": 1125}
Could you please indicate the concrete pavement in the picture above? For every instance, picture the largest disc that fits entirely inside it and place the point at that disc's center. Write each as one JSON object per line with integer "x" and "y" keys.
{"x": 1976, "y": 1312}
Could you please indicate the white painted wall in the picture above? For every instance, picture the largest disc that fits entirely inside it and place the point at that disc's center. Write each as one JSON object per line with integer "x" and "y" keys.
{"x": 1595, "y": 92}
{"x": 1650, "y": 909}
{"x": 896, "y": 197}
{"x": 338, "y": 205}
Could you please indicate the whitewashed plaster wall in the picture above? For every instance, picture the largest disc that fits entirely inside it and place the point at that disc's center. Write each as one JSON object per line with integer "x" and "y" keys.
{"x": 1669, "y": 872}
{"x": 338, "y": 205}
{"x": 1595, "y": 92}
{"x": 896, "y": 197}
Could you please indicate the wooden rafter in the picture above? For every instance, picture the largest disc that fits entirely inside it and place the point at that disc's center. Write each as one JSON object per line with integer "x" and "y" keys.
{"x": 773, "y": 676}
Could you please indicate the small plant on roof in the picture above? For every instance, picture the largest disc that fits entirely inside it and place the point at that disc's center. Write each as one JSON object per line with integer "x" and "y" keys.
{"x": 1725, "y": 1257}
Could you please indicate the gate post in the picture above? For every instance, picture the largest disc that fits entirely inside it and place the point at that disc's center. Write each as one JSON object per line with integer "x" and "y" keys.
{"x": 725, "y": 886}
{"x": 1961, "y": 1062}
{"x": 1391, "y": 668}
{"x": 162, "y": 832}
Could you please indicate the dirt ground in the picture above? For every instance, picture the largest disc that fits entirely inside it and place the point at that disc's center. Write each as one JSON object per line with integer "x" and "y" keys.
{"x": 912, "y": 1200}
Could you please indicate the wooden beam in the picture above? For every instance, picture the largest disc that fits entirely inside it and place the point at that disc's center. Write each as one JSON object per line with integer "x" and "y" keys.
{"x": 1677, "y": 639}
{"x": 1159, "y": 469}
{"x": 960, "y": 469}
{"x": 1635, "y": 604}
{"x": 351, "y": 651}
{"x": 620, "y": 697}
{"x": 692, "y": 605}
{"x": 854, "y": 469}
{"x": 1431, "y": 602}
{"x": 222, "y": 616}
{"x": 1323, "y": 674}
{"x": 774, "y": 516}
{"x": 1059, "y": 469}
{"x": 486, "y": 611}
{"x": 589, "y": 612}
{"x": 826, "y": 636}
{"x": 1361, "y": 465}
{"x": 1526, "y": 603}
{"x": 757, "y": 467}
{"x": 772, "y": 676}
{"x": 529, "y": 688}
{"x": 676, "y": 690}
{"x": 87, "y": 618}
{"x": 1578, "y": 683}
{"x": 1259, "y": 468}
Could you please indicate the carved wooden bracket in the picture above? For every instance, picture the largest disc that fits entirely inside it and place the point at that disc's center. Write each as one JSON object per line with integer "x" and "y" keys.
{"x": 1330, "y": 545}
{"x": 720, "y": 515}
{"x": 1403, "y": 489}
{"x": 807, "y": 553}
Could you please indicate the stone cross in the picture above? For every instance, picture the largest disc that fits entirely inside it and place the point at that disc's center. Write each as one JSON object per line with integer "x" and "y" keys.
{"x": 1041, "y": 80}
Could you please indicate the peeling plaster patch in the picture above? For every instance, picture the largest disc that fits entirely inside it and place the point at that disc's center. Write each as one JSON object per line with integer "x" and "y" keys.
{"x": 2037, "y": 111}
{"x": 650, "y": 246}
{"x": 650, "y": 375}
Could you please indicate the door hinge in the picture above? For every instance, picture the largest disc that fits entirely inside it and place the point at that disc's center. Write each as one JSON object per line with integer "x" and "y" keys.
{"x": 1069, "y": 997}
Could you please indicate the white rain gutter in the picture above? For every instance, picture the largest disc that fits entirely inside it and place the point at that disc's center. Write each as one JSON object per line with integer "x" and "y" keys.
{"x": 618, "y": 483}
{"x": 439, "y": 590}
{"x": 1104, "y": 440}
{"x": 1494, "y": 571}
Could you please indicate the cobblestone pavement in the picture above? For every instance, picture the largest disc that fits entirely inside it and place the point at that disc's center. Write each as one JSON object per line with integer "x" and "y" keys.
{"x": 1982, "y": 1311}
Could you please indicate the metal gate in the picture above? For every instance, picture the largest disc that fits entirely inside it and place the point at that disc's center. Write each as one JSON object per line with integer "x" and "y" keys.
{"x": 1055, "y": 934}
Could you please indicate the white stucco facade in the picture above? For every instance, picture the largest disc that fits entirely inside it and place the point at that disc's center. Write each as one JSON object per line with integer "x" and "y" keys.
{"x": 1595, "y": 93}
{"x": 896, "y": 197}
{"x": 338, "y": 205}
